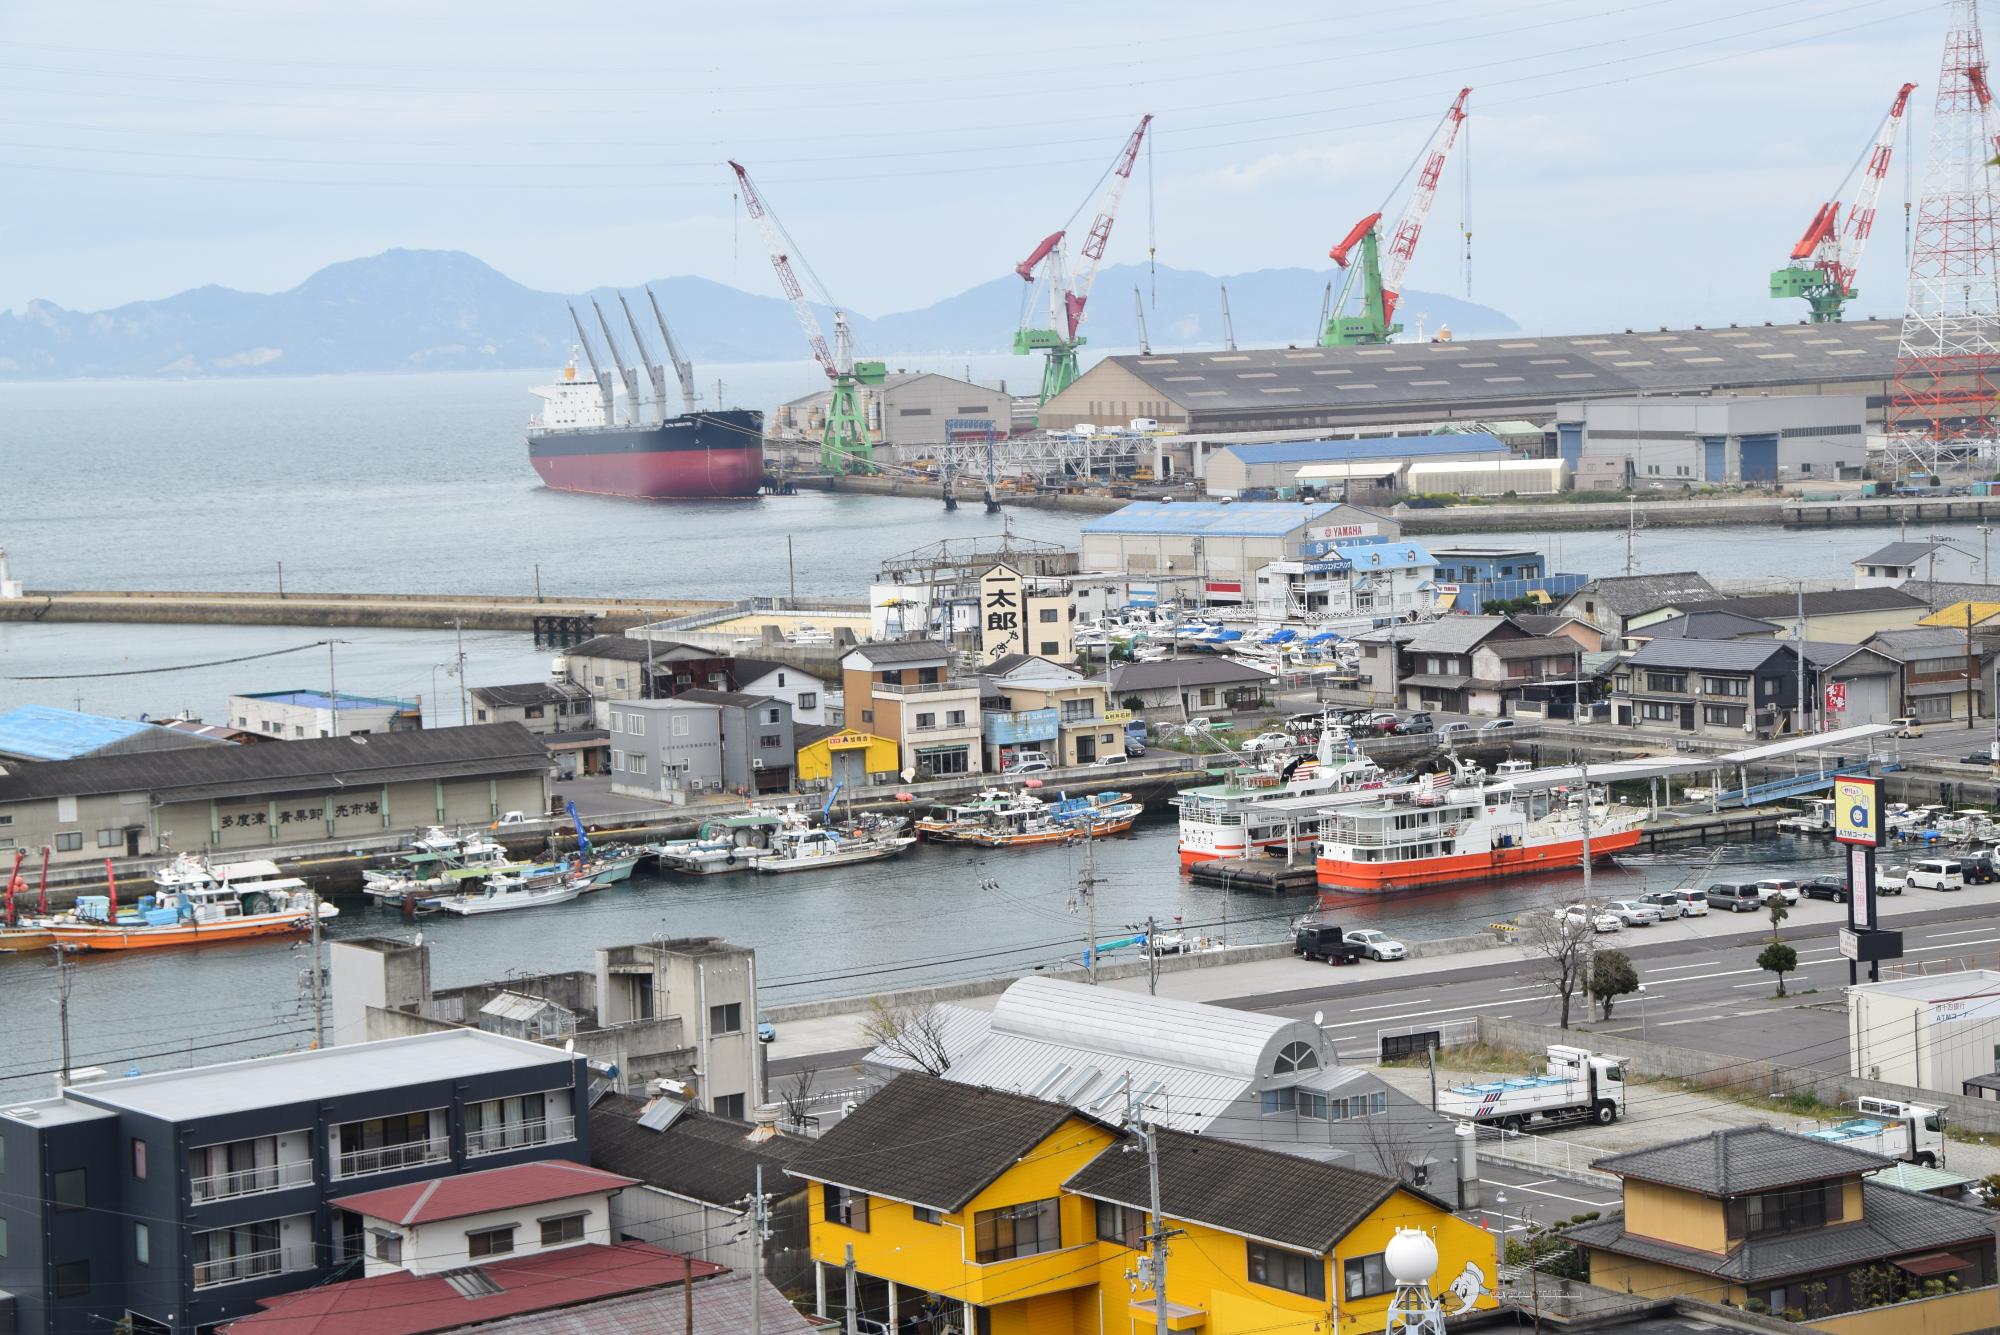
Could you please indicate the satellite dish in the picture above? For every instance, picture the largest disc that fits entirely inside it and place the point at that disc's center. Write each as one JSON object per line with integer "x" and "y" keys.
{"x": 910, "y": 775}
{"x": 1319, "y": 1018}
{"x": 569, "y": 1045}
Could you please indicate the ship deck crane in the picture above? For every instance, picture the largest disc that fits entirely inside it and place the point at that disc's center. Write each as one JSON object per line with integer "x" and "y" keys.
{"x": 654, "y": 371}
{"x": 603, "y": 378}
{"x": 1048, "y": 265}
{"x": 683, "y": 368}
{"x": 1381, "y": 277}
{"x": 1824, "y": 261}
{"x": 625, "y": 373}
{"x": 844, "y": 444}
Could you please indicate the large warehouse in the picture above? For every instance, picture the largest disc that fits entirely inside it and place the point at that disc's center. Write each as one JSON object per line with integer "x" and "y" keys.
{"x": 907, "y": 412}
{"x": 1517, "y": 376}
{"x": 1722, "y": 439}
{"x": 1220, "y": 544}
{"x": 1368, "y": 470}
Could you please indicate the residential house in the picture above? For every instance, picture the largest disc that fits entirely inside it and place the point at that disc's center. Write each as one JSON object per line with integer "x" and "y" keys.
{"x": 1348, "y": 583}
{"x": 808, "y": 695}
{"x": 544, "y": 708}
{"x": 615, "y": 667}
{"x": 1890, "y": 565}
{"x": 1049, "y": 708}
{"x": 1941, "y": 671}
{"x": 183, "y": 1198}
{"x": 1854, "y": 685}
{"x": 1537, "y": 676}
{"x": 1710, "y": 624}
{"x": 42, "y": 732}
{"x": 1267, "y": 1080}
{"x": 1221, "y": 545}
{"x": 297, "y": 714}
{"x": 1468, "y": 578}
{"x": 1379, "y": 671}
{"x": 830, "y": 755}
{"x": 237, "y": 798}
{"x": 1588, "y": 637}
{"x": 1713, "y": 688}
{"x": 1174, "y": 690}
{"x": 1608, "y": 603}
{"x": 903, "y": 690}
{"x": 1845, "y": 616}
{"x": 1438, "y": 659}
{"x": 701, "y": 741}
{"x": 1786, "y": 1224}
{"x": 1017, "y": 1216}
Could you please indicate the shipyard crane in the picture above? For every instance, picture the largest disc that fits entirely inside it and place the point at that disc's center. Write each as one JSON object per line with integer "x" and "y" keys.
{"x": 1139, "y": 305}
{"x": 843, "y": 443}
{"x": 1048, "y": 265}
{"x": 1228, "y": 325}
{"x": 1824, "y": 261}
{"x": 1382, "y": 278}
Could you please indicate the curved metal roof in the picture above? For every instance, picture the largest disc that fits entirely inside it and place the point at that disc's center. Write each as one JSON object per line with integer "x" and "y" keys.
{"x": 1162, "y": 1029}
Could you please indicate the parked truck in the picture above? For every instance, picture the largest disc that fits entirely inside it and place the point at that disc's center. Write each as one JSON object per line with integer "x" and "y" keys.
{"x": 1911, "y": 1132}
{"x": 1579, "y": 1085}
{"x": 1324, "y": 941}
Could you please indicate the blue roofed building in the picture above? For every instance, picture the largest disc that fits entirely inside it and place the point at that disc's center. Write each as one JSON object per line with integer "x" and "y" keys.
{"x": 1369, "y": 469}
{"x": 40, "y": 732}
{"x": 299, "y": 714}
{"x": 1210, "y": 551}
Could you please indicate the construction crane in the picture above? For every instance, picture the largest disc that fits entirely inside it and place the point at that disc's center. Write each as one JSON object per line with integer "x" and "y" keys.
{"x": 1824, "y": 261}
{"x": 1382, "y": 279}
{"x": 1049, "y": 264}
{"x": 1228, "y": 325}
{"x": 844, "y": 445}
{"x": 1139, "y": 306}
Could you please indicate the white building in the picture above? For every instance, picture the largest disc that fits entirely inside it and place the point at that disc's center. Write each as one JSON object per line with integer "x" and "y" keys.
{"x": 447, "y": 1223}
{"x": 296, "y": 714}
{"x": 1933, "y": 1032}
{"x": 1359, "y": 582}
{"x": 1219, "y": 546}
{"x": 809, "y": 696}
{"x": 1933, "y": 562}
{"x": 1713, "y": 439}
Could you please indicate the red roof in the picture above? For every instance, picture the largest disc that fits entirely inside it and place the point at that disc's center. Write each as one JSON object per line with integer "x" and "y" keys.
{"x": 509, "y": 1188}
{"x": 405, "y": 1304}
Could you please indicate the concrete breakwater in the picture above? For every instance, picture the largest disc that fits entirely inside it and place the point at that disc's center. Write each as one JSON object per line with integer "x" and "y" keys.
{"x": 396, "y": 611}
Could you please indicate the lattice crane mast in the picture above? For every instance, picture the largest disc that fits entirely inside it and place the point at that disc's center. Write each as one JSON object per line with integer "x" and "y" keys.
{"x": 1048, "y": 266}
{"x": 844, "y": 443}
{"x": 1824, "y": 261}
{"x": 1382, "y": 277}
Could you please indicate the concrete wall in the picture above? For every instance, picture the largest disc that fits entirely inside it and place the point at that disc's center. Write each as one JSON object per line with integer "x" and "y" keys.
{"x": 1948, "y": 1314}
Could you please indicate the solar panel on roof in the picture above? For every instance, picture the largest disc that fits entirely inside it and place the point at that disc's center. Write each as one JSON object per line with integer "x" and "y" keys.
{"x": 661, "y": 1114}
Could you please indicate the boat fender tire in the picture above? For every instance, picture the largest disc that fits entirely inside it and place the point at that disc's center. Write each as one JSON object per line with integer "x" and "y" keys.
{"x": 1605, "y": 1113}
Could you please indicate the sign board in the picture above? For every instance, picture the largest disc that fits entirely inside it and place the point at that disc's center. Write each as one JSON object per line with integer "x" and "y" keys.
{"x": 1861, "y": 886}
{"x": 1341, "y": 532}
{"x": 1870, "y": 947}
{"x": 1857, "y": 810}
{"x": 1836, "y": 698}
{"x": 1003, "y": 622}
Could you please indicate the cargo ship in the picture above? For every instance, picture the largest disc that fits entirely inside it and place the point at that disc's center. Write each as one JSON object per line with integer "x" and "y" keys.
{"x": 600, "y": 435}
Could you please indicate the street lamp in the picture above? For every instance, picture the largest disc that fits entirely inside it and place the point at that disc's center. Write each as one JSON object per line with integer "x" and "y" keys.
{"x": 1643, "y": 1009}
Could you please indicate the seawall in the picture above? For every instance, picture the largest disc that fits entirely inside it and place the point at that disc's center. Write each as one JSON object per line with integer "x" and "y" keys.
{"x": 399, "y": 611}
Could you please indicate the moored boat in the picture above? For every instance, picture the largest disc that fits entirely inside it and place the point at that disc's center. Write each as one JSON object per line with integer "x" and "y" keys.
{"x": 801, "y": 847}
{"x": 1262, "y": 808}
{"x": 501, "y": 894}
{"x": 958, "y": 822}
{"x": 729, "y": 844}
{"x": 196, "y": 903}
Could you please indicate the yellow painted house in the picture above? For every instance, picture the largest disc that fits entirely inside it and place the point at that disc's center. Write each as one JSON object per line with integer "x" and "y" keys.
{"x": 849, "y": 755}
{"x": 982, "y": 1212}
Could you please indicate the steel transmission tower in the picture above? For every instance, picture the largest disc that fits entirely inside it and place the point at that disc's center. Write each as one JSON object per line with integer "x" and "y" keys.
{"x": 1948, "y": 364}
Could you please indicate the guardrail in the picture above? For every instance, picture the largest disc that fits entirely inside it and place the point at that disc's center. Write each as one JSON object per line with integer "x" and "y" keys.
{"x": 519, "y": 1135}
{"x": 251, "y": 1265}
{"x": 250, "y": 1181}
{"x": 1549, "y": 1154}
{"x": 389, "y": 1158}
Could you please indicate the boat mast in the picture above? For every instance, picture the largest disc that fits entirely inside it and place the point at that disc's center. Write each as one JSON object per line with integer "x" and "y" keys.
{"x": 602, "y": 378}
{"x": 654, "y": 371}
{"x": 630, "y": 377}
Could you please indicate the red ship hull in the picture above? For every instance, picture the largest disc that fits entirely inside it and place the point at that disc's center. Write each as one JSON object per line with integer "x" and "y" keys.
{"x": 694, "y": 457}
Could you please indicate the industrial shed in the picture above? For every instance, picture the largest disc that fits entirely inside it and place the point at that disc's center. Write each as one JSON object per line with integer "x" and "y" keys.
{"x": 1239, "y": 468}
{"x": 1495, "y": 477}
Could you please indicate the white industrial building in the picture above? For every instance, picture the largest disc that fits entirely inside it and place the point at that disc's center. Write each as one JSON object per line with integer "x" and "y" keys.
{"x": 1357, "y": 582}
{"x": 1713, "y": 440}
{"x": 1936, "y": 1031}
{"x": 1363, "y": 469}
{"x": 909, "y": 410}
{"x": 299, "y": 714}
{"x": 1220, "y": 544}
{"x": 1487, "y": 477}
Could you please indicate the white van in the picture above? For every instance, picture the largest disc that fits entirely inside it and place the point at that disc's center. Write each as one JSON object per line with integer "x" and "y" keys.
{"x": 1936, "y": 874}
{"x": 1028, "y": 762}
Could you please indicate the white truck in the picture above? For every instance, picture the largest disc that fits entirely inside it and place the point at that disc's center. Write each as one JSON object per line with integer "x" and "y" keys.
{"x": 1911, "y": 1132}
{"x": 1579, "y": 1085}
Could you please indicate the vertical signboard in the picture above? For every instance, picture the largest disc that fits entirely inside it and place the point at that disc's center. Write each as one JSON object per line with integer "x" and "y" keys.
{"x": 1857, "y": 811}
{"x": 1003, "y": 625}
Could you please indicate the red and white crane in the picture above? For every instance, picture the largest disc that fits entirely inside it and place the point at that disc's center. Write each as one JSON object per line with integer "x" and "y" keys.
{"x": 1824, "y": 261}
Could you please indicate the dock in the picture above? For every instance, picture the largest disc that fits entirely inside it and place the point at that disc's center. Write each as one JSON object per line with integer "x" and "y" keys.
{"x": 555, "y": 619}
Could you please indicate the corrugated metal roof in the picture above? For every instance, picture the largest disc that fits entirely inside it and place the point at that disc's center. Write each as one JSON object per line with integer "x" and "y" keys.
{"x": 1213, "y": 519}
{"x": 40, "y": 732}
{"x": 1367, "y": 447}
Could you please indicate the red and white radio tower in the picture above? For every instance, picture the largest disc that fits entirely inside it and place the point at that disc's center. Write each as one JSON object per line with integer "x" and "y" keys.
{"x": 1948, "y": 365}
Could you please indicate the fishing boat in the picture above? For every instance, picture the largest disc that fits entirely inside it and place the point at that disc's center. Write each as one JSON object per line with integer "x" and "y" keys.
{"x": 607, "y": 867}
{"x": 504, "y": 893}
{"x": 428, "y": 872}
{"x": 1064, "y": 821}
{"x": 1815, "y": 816}
{"x": 196, "y": 903}
{"x": 1465, "y": 826}
{"x": 729, "y": 844}
{"x": 18, "y": 933}
{"x": 1262, "y": 808}
{"x": 798, "y": 846}
{"x": 990, "y": 808}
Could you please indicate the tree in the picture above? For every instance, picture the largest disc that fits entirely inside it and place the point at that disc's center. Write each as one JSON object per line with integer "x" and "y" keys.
{"x": 1779, "y": 959}
{"x": 1611, "y": 977}
{"x": 798, "y": 1097}
{"x": 912, "y": 1032}
{"x": 1779, "y": 912}
{"x": 1558, "y": 946}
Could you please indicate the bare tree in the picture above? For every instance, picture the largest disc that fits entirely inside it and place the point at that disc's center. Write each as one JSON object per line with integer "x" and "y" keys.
{"x": 912, "y": 1032}
{"x": 798, "y": 1098}
{"x": 1558, "y": 944}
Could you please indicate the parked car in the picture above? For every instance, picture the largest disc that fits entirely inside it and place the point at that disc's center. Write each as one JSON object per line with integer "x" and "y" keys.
{"x": 1378, "y": 945}
{"x": 514, "y": 818}
{"x": 1113, "y": 759}
{"x": 1736, "y": 896}
{"x": 1788, "y": 890}
{"x": 1134, "y": 747}
{"x": 1383, "y": 721}
{"x": 1574, "y": 915}
{"x": 1891, "y": 880}
{"x": 1268, "y": 741}
{"x": 1825, "y": 887}
{"x": 1452, "y": 731}
{"x": 1677, "y": 903}
{"x": 1935, "y": 874}
{"x": 767, "y": 1032}
{"x": 1324, "y": 941}
{"x": 1907, "y": 726}
{"x": 1980, "y": 758}
{"x": 1977, "y": 864}
{"x": 1633, "y": 912}
{"x": 1028, "y": 764}
{"x": 1496, "y": 724}
{"x": 1414, "y": 724}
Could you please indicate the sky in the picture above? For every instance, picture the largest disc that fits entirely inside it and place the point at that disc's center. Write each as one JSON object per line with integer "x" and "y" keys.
{"x": 1630, "y": 162}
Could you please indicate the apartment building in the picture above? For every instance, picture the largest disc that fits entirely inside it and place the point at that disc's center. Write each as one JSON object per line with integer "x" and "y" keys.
{"x": 902, "y": 690}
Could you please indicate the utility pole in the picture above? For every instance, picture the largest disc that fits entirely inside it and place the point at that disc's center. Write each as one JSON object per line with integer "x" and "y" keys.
{"x": 1800, "y": 711}
{"x": 1089, "y": 887}
{"x": 852, "y": 1328}
{"x": 464, "y": 709}
{"x": 1157, "y": 1262}
{"x": 760, "y": 1233}
{"x": 332, "y": 693}
{"x": 1152, "y": 958}
{"x": 64, "y": 979}
{"x": 1431, "y": 1064}
{"x": 792, "y": 569}
{"x": 1971, "y": 673}
{"x": 318, "y": 982}
{"x": 1589, "y": 927}
{"x": 538, "y": 581}
{"x": 1631, "y": 525}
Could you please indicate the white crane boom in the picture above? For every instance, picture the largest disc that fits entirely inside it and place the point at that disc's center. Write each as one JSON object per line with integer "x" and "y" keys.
{"x": 774, "y": 242}
{"x": 1403, "y": 242}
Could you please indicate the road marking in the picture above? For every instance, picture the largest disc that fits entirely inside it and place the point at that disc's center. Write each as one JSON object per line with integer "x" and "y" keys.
{"x": 1413, "y": 1015}
{"x": 1574, "y": 1200}
{"x": 1700, "y": 977}
{"x": 1539, "y": 987}
{"x": 1954, "y": 945}
{"x": 1409, "y": 1001}
{"x": 1970, "y": 931}
{"x": 1670, "y": 968}
{"x": 1698, "y": 1019}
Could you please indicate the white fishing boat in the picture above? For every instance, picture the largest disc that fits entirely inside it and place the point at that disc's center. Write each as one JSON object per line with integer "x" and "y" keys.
{"x": 801, "y": 847}
{"x": 1261, "y": 808}
{"x": 730, "y": 844}
{"x": 501, "y": 894}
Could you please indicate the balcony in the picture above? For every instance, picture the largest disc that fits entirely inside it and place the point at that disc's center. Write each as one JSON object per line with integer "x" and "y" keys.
{"x": 250, "y": 1181}
{"x": 520, "y": 1135}
{"x": 252, "y": 1265}
{"x": 924, "y": 688}
{"x": 389, "y": 1158}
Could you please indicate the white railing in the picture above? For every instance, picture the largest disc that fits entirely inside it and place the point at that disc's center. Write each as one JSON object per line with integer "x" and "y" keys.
{"x": 251, "y": 1265}
{"x": 360, "y": 1163}
{"x": 251, "y": 1181}
{"x": 1552, "y": 1154}
{"x": 519, "y": 1135}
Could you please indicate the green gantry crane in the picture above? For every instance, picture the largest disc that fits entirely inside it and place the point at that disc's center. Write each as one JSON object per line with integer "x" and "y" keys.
{"x": 1824, "y": 260}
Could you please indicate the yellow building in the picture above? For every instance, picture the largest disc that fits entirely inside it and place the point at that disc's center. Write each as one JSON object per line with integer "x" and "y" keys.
{"x": 993, "y": 1213}
{"x": 1780, "y": 1223}
{"x": 845, "y": 755}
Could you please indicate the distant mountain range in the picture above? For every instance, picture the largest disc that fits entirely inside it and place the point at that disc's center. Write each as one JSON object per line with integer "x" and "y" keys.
{"x": 442, "y": 310}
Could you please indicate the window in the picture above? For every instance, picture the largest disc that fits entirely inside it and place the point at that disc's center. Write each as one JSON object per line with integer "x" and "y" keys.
{"x": 1279, "y": 1100}
{"x": 1121, "y": 1224}
{"x": 680, "y": 728}
{"x": 69, "y": 841}
{"x": 772, "y": 716}
{"x": 808, "y": 699}
{"x": 490, "y": 1241}
{"x": 1809, "y": 1206}
{"x": 72, "y": 1189}
{"x": 1724, "y": 716}
{"x": 389, "y": 1247}
{"x": 726, "y": 1019}
{"x": 636, "y": 724}
{"x": 481, "y": 714}
{"x": 619, "y": 682}
{"x": 1366, "y": 1276}
{"x": 617, "y": 721}
{"x": 846, "y": 1208}
{"x": 1667, "y": 681}
{"x": 6, "y": 820}
{"x": 1017, "y": 1230}
{"x": 1276, "y": 1268}
{"x": 599, "y": 679}
{"x": 138, "y": 1159}
{"x": 1735, "y": 686}
{"x": 770, "y": 742}
{"x": 954, "y": 761}
{"x": 72, "y": 1279}
{"x": 1050, "y": 649}
{"x": 1935, "y": 665}
{"x": 142, "y": 1244}
{"x": 1311, "y": 1104}
{"x": 1654, "y": 711}
{"x": 567, "y": 1228}
{"x": 729, "y": 1105}
{"x": 299, "y": 730}
{"x": 638, "y": 765}
{"x": 924, "y": 1214}
{"x": 1296, "y": 1057}
{"x": 110, "y": 838}
{"x": 617, "y": 762}
{"x": 955, "y": 718}
{"x": 927, "y": 720}
{"x": 527, "y": 711}
{"x": 1048, "y": 614}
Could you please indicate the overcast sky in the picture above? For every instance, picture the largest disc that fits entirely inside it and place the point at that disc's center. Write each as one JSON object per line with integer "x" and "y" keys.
{"x": 1632, "y": 162}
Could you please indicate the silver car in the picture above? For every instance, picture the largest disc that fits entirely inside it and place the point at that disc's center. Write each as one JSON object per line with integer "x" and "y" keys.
{"x": 1633, "y": 913}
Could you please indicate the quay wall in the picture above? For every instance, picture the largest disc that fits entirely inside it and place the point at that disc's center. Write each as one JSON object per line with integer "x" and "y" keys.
{"x": 387, "y": 610}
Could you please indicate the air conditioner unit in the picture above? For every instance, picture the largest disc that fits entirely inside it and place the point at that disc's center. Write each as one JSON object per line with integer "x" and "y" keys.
{"x": 756, "y": 764}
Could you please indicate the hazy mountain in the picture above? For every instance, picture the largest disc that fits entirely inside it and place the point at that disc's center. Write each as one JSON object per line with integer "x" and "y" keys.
{"x": 429, "y": 310}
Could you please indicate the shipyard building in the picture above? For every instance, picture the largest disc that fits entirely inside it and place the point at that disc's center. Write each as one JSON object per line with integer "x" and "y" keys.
{"x": 908, "y": 411}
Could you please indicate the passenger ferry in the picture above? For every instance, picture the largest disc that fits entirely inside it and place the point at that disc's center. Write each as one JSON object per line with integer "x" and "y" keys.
{"x": 1262, "y": 807}
{"x": 1464, "y": 827}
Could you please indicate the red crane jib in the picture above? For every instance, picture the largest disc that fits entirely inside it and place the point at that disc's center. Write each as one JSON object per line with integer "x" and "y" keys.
{"x": 1026, "y": 268}
{"x": 1339, "y": 253}
{"x": 1073, "y": 307}
{"x": 1822, "y": 227}
{"x": 1389, "y": 300}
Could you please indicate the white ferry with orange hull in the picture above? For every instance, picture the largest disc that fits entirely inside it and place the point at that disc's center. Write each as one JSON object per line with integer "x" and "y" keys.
{"x": 1258, "y": 809}
{"x": 1466, "y": 828}
{"x": 196, "y": 903}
